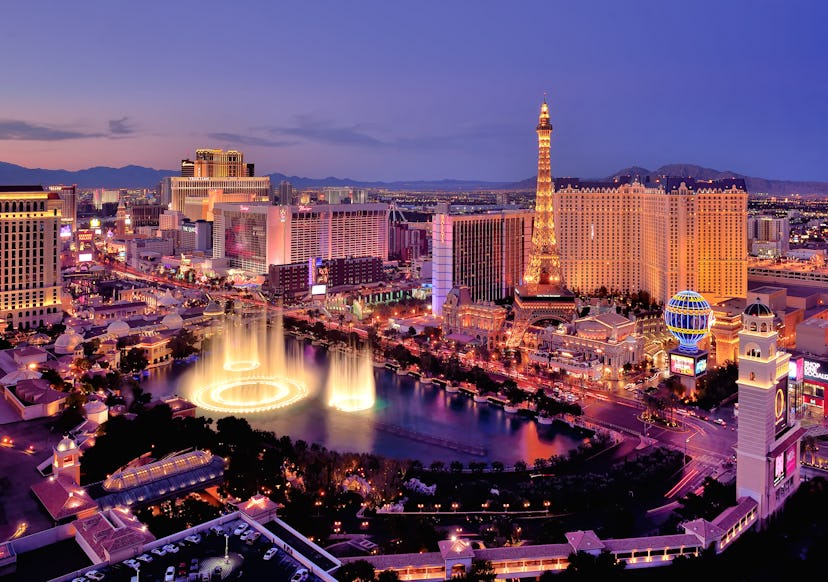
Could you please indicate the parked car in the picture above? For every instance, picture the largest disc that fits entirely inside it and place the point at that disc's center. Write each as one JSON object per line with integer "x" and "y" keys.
{"x": 299, "y": 576}
{"x": 94, "y": 575}
{"x": 146, "y": 558}
{"x": 169, "y": 575}
{"x": 194, "y": 565}
{"x": 132, "y": 563}
{"x": 217, "y": 529}
{"x": 194, "y": 538}
{"x": 270, "y": 553}
{"x": 159, "y": 551}
{"x": 171, "y": 548}
{"x": 240, "y": 529}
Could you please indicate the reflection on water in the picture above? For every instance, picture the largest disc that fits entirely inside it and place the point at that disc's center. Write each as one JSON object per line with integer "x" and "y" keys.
{"x": 409, "y": 420}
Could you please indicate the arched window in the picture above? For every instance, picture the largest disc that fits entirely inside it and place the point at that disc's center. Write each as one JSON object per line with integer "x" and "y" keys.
{"x": 764, "y": 327}
{"x": 752, "y": 326}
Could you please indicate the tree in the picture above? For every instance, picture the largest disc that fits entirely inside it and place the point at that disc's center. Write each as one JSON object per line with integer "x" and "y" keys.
{"x": 182, "y": 344}
{"x": 91, "y": 347}
{"x": 588, "y": 567}
{"x": 360, "y": 570}
{"x": 388, "y": 576}
{"x": 456, "y": 466}
{"x": 134, "y": 361}
{"x": 481, "y": 571}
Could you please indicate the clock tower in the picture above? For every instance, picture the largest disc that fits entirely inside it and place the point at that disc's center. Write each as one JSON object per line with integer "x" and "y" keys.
{"x": 767, "y": 448}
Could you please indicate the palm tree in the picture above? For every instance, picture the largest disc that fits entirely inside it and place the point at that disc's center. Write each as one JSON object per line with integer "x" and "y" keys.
{"x": 809, "y": 445}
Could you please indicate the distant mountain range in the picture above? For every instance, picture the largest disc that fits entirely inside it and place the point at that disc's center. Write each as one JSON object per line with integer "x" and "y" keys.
{"x": 142, "y": 177}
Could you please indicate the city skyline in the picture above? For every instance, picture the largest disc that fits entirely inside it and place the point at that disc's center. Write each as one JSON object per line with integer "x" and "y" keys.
{"x": 420, "y": 91}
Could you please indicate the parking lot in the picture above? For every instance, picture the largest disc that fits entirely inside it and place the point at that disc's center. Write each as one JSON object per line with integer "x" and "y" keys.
{"x": 204, "y": 560}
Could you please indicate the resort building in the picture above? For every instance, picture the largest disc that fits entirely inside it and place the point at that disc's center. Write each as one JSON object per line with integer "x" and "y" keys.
{"x": 661, "y": 236}
{"x": 466, "y": 321}
{"x": 254, "y": 236}
{"x": 486, "y": 252}
{"x": 30, "y": 279}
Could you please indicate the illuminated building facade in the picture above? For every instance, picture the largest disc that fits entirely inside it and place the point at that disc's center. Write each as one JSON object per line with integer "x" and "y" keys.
{"x": 485, "y": 252}
{"x": 69, "y": 212}
{"x": 767, "y": 446}
{"x": 195, "y": 196}
{"x": 254, "y": 236}
{"x": 213, "y": 163}
{"x": 30, "y": 279}
{"x": 661, "y": 237}
{"x": 481, "y": 322}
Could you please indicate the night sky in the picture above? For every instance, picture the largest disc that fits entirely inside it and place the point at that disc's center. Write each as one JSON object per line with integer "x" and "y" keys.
{"x": 398, "y": 90}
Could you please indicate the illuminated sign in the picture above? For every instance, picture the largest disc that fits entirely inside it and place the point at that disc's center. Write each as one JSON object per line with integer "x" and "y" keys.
{"x": 318, "y": 289}
{"x": 701, "y": 366}
{"x": 814, "y": 371}
{"x": 84, "y": 257}
{"x": 682, "y": 365}
{"x": 779, "y": 468}
{"x": 85, "y": 235}
{"x": 188, "y": 228}
{"x": 95, "y": 223}
{"x": 66, "y": 231}
{"x": 305, "y": 208}
{"x": 790, "y": 460}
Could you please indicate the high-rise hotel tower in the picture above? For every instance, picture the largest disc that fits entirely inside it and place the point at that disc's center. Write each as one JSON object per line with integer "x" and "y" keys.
{"x": 30, "y": 281}
{"x": 661, "y": 236}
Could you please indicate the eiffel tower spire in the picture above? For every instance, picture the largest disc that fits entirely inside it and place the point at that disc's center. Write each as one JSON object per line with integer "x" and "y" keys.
{"x": 545, "y": 265}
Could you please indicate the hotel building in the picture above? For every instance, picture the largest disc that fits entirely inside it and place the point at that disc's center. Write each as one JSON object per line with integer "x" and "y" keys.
{"x": 662, "y": 237}
{"x": 30, "y": 280}
{"x": 485, "y": 252}
{"x": 69, "y": 211}
{"x": 214, "y": 177}
{"x": 254, "y": 236}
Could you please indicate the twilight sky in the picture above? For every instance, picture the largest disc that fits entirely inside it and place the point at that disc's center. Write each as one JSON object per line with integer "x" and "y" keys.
{"x": 407, "y": 90}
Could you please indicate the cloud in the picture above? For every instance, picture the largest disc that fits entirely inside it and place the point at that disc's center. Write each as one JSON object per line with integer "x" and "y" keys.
{"x": 24, "y": 131}
{"x": 120, "y": 126}
{"x": 250, "y": 140}
{"x": 322, "y": 131}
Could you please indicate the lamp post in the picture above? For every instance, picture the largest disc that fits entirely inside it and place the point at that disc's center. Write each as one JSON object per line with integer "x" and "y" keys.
{"x": 226, "y": 548}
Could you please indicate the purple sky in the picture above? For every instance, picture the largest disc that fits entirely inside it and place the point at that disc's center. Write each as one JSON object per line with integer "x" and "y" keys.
{"x": 387, "y": 90}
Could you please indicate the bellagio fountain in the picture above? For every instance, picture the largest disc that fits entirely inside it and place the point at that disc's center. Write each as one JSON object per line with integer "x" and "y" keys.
{"x": 251, "y": 369}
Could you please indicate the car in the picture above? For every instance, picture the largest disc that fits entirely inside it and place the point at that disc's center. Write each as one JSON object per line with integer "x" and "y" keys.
{"x": 94, "y": 575}
{"x": 251, "y": 539}
{"x": 182, "y": 569}
{"x": 171, "y": 548}
{"x": 720, "y": 422}
{"x": 217, "y": 529}
{"x": 146, "y": 558}
{"x": 194, "y": 565}
{"x": 195, "y": 538}
{"x": 159, "y": 551}
{"x": 135, "y": 564}
{"x": 80, "y": 579}
{"x": 169, "y": 575}
{"x": 299, "y": 576}
{"x": 240, "y": 529}
{"x": 270, "y": 553}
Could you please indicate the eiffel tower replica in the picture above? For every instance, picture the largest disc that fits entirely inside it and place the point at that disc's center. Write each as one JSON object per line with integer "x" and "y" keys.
{"x": 543, "y": 295}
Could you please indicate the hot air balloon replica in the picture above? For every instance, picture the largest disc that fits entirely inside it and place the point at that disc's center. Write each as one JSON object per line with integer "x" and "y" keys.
{"x": 688, "y": 316}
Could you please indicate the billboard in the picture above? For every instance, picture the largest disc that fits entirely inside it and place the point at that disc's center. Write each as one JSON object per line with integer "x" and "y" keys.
{"x": 813, "y": 370}
{"x": 683, "y": 365}
{"x": 66, "y": 231}
{"x": 778, "y": 468}
{"x": 701, "y": 365}
{"x": 318, "y": 289}
{"x": 245, "y": 237}
{"x": 790, "y": 460}
{"x": 84, "y": 257}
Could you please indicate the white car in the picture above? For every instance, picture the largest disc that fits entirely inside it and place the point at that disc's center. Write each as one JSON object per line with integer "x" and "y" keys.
{"x": 146, "y": 558}
{"x": 94, "y": 575}
{"x": 270, "y": 553}
{"x": 159, "y": 551}
{"x": 299, "y": 576}
{"x": 240, "y": 529}
{"x": 169, "y": 575}
{"x": 195, "y": 538}
{"x": 217, "y": 530}
{"x": 171, "y": 548}
{"x": 134, "y": 564}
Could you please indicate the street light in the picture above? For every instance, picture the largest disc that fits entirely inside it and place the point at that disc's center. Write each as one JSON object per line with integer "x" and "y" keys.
{"x": 686, "y": 442}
